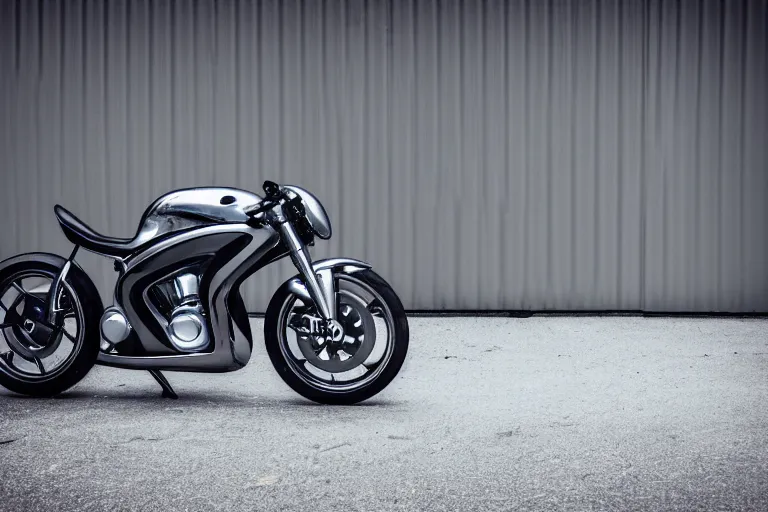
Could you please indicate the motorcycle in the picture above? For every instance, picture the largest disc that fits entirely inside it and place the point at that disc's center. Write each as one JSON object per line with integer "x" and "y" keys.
{"x": 336, "y": 333}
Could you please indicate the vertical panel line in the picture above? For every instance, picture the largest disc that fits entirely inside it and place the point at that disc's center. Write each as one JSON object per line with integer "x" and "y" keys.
{"x": 645, "y": 70}
{"x": 238, "y": 131}
{"x": 105, "y": 114}
{"x": 721, "y": 116}
{"x": 574, "y": 128}
{"x": 413, "y": 191}
{"x": 620, "y": 97}
{"x": 436, "y": 274}
{"x": 698, "y": 267}
{"x": 38, "y": 117}
{"x": 365, "y": 121}
{"x": 596, "y": 133}
{"x": 526, "y": 145}
{"x": 459, "y": 144}
{"x": 504, "y": 206}
{"x": 17, "y": 38}
{"x": 548, "y": 294}
{"x": 743, "y": 271}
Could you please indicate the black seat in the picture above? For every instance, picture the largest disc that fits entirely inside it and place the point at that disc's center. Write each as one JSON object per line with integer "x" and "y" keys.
{"x": 81, "y": 234}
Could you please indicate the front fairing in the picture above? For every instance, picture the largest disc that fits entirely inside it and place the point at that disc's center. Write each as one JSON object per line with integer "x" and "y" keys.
{"x": 314, "y": 210}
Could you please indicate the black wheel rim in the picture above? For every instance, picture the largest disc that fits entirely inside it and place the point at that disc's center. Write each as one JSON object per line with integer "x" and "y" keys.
{"x": 366, "y": 363}
{"x": 31, "y": 349}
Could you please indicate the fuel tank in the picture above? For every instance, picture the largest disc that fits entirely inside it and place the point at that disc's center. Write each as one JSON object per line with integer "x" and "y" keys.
{"x": 187, "y": 208}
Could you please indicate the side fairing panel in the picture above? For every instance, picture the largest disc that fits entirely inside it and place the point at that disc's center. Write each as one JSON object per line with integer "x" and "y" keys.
{"x": 231, "y": 250}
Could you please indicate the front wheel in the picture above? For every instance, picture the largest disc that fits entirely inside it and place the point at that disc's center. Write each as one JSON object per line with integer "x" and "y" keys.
{"x": 350, "y": 365}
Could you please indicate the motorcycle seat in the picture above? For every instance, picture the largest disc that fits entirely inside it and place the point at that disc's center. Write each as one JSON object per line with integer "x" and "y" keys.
{"x": 79, "y": 233}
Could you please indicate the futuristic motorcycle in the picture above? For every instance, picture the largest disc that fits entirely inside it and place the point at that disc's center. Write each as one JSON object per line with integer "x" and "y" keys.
{"x": 336, "y": 333}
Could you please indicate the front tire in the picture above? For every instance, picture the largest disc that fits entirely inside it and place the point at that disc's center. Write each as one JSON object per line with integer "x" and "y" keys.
{"x": 37, "y": 358}
{"x": 356, "y": 371}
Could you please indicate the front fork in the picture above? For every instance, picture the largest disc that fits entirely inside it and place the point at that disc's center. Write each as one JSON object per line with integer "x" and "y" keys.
{"x": 320, "y": 285}
{"x": 53, "y": 292}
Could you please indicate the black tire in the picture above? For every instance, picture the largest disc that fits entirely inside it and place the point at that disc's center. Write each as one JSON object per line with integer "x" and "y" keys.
{"x": 91, "y": 308}
{"x": 392, "y": 366}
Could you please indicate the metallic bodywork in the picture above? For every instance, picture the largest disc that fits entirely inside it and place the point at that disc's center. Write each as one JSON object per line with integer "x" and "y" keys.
{"x": 231, "y": 346}
{"x": 210, "y": 229}
{"x": 316, "y": 214}
{"x": 189, "y": 208}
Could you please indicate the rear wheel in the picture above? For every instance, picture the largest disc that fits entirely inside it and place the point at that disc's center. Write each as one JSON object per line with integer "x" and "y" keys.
{"x": 39, "y": 358}
{"x": 353, "y": 362}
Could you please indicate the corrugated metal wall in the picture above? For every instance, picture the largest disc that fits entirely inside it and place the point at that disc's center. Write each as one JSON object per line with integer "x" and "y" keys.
{"x": 483, "y": 155}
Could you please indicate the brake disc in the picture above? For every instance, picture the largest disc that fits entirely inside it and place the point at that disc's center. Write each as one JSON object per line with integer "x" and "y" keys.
{"x": 347, "y": 343}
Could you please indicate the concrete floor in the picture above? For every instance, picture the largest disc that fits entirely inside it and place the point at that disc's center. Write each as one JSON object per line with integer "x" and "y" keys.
{"x": 615, "y": 413}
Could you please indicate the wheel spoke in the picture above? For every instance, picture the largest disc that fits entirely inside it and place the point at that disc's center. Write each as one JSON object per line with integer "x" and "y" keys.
{"x": 19, "y": 288}
{"x": 15, "y": 302}
{"x": 39, "y": 364}
{"x": 50, "y": 326}
{"x": 71, "y": 338}
{"x": 3, "y": 326}
{"x": 56, "y": 328}
{"x": 7, "y": 357}
{"x": 323, "y": 352}
{"x": 41, "y": 289}
{"x": 3, "y": 306}
{"x": 34, "y": 344}
{"x": 70, "y": 311}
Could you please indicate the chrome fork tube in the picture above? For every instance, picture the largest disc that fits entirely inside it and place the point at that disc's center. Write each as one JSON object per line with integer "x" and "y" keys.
{"x": 321, "y": 291}
{"x": 53, "y": 292}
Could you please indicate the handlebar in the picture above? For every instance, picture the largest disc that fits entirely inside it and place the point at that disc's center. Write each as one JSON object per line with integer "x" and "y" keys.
{"x": 278, "y": 207}
{"x": 260, "y": 207}
{"x": 272, "y": 197}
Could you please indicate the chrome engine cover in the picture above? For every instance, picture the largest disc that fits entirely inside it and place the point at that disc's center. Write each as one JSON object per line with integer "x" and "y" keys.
{"x": 181, "y": 313}
{"x": 187, "y": 330}
{"x": 115, "y": 327}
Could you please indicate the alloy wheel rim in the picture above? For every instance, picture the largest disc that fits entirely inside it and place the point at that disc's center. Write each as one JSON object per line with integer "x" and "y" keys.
{"x": 364, "y": 373}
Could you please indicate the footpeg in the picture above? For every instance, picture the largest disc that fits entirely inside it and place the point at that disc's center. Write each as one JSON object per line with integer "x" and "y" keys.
{"x": 168, "y": 391}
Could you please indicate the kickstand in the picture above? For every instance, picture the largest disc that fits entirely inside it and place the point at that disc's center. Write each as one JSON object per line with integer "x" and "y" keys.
{"x": 168, "y": 391}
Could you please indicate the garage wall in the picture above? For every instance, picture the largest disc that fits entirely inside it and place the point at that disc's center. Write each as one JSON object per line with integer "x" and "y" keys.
{"x": 483, "y": 155}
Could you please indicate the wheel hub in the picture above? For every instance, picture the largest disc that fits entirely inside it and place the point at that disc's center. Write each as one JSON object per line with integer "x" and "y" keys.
{"x": 344, "y": 343}
{"x": 29, "y": 335}
{"x": 335, "y": 331}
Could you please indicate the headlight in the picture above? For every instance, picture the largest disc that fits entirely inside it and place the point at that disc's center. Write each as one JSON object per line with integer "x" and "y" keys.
{"x": 316, "y": 215}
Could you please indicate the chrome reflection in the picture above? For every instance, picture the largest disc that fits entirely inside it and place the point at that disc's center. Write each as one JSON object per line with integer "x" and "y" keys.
{"x": 188, "y": 208}
{"x": 316, "y": 214}
{"x": 232, "y": 348}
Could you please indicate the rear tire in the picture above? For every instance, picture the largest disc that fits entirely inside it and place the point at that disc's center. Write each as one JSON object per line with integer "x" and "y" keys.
{"x": 275, "y": 335}
{"x": 86, "y": 308}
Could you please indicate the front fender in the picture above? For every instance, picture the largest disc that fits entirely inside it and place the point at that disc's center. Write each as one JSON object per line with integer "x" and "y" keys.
{"x": 346, "y": 264}
{"x": 297, "y": 287}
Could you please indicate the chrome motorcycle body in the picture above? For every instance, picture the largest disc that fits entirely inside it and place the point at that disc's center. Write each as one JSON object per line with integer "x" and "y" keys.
{"x": 177, "y": 304}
